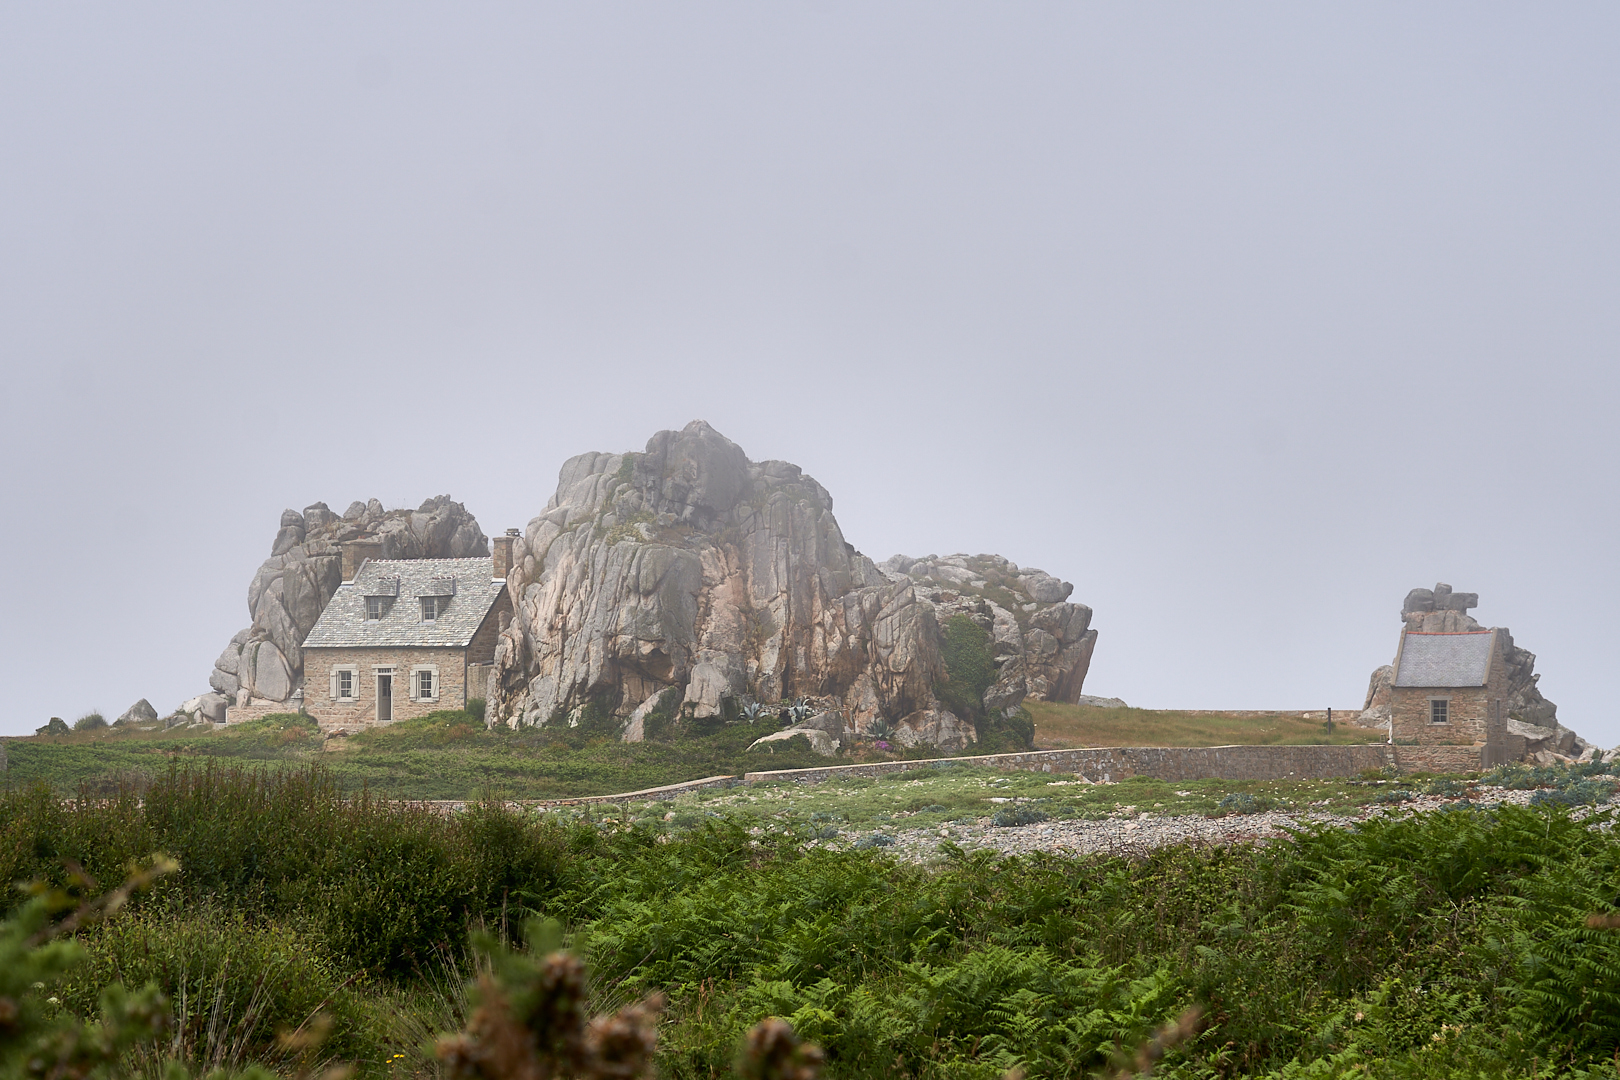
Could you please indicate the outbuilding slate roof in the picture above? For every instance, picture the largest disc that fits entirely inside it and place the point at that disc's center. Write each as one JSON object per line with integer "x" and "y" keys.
{"x": 344, "y": 625}
{"x": 1462, "y": 659}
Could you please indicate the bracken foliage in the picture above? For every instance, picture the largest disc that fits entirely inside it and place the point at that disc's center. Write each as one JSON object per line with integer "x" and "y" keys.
{"x": 1465, "y": 942}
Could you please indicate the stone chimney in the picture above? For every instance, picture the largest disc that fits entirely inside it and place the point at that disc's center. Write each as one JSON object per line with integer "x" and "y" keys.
{"x": 356, "y": 552}
{"x": 502, "y": 546}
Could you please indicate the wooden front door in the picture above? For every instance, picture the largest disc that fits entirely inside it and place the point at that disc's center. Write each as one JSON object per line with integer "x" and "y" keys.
{"x": 385, "y": 698}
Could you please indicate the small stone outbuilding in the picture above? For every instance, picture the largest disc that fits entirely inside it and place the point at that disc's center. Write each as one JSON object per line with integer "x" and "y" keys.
{"x": 1457, "y": 689}
{"x": 405, "y": 637}
{"x": 1449, "y": 688}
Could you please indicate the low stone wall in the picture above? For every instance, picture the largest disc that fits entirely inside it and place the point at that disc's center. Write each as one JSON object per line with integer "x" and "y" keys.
{"x": 667, "y": 791}
{"x": 1160, "y": 762}
{"x": 257, "y": 710}
{"x": 1441, "y": 759}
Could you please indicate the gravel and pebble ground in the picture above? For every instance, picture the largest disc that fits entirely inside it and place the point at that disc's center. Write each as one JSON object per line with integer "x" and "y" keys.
{"x": 1134, "y": 833}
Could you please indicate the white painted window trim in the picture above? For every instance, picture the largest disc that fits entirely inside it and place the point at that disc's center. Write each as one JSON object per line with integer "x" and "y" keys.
{"x": 416, "y": 670}
{"x": 354, "y": 682}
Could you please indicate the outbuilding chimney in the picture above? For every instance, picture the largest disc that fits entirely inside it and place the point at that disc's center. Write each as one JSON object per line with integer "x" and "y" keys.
{"x": 356, "y": 552}
{"x": 503, "y": 554}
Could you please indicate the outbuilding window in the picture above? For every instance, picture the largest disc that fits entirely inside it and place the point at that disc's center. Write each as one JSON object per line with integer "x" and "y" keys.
{"x": 1439, "y": 711}
{"x": 376, "y": 607}
{"x": 430, "y": 608}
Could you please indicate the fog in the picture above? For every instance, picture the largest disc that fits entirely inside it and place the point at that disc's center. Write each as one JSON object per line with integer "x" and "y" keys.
{"x": 1246, "y": 320}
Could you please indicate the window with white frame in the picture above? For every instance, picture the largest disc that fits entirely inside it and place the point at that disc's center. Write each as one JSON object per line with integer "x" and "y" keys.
{"x": 1439, "y": 710}
{"x": 431, "y": 606}
{"x": 345, "y": 683}
{"x": 376, "y": 607}
{"x": 425, "y": 682}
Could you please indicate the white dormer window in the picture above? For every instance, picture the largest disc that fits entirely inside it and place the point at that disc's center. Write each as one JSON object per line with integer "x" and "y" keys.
{"x": 431, "y": 606}
{"x": 376, "y": 607}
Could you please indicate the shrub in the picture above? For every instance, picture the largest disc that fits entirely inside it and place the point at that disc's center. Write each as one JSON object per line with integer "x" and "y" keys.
{"x": 1013, "y": 816}
{"x": 232, "y": 982}
{"x": 475, "y": 709}
{"x": 969, "y": 665}
{"x": 875, "y": 840}
{"x": 1450, "y": 789}
{"x": 1575, "y": 792}
{"x": 91, "y": 721}
{"x": 1242, "y": 802}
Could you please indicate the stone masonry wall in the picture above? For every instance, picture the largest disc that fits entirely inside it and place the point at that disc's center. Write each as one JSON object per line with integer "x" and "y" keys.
{"x": 1159, "y": 762}
{"x": 1469, "y": 710}
{"x": 257, "y": 709}
{"x": 1179, "y": 762}
{"x": 1441, "y": 759}
{"x": 481, "y": 650}
{"x": 334, "y": 716}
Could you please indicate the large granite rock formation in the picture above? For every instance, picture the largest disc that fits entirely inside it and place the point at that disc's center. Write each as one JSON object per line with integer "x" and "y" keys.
{"x": 305, "y": 567}
{"x": 689, "y": 577}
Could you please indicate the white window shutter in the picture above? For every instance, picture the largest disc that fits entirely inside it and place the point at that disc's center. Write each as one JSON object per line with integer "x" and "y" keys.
{"x": 331, "y": 680}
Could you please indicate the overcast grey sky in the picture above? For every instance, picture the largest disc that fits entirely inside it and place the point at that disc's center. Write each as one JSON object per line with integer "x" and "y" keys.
{"x": 1244, "y": 318}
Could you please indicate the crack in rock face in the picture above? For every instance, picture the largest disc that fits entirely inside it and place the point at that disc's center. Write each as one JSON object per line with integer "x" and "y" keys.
{"x": 688, "y": 579}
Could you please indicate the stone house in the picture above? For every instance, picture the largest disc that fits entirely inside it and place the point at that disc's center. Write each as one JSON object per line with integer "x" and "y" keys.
{"x": 1451, "y": 688}
{"x": 405, "y": 637}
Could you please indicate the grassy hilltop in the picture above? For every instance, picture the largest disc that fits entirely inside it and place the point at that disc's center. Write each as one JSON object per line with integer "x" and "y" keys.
{"x": 451, "y": 755}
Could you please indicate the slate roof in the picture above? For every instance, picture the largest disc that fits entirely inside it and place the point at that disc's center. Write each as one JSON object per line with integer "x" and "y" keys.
{"x": 1445, "y": 659}
{"x": 344, "y": 623}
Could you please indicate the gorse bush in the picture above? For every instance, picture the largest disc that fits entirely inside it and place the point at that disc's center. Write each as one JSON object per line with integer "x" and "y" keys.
{"x": 232, "y": 983}
{"x": 385, "y": 886}
{"x": 90, "y": 722}
{"x": 1013, "y": 816}
{"x": 1461, "y": 942}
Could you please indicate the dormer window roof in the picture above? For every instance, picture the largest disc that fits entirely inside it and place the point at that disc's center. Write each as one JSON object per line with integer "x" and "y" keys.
{"x": 409, "y": 602}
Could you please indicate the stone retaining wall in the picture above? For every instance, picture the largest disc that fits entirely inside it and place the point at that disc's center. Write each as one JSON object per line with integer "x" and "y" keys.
{"x": 667, "y": 791}
{"x": 1179, "y": 762}
{"x": 1443, "y": 759}
{"x": 258, "y": 710}
{"x": 1160, "y": 762}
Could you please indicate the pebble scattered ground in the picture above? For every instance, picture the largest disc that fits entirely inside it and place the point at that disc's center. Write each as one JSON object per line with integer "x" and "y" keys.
{"x": 1134, "y": 833}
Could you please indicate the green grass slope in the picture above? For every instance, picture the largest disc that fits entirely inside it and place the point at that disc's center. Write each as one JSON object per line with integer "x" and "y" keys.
{"x": 1059, "y": 726}
{"x": 451, "y": 755}
{"x": 448, "y": 755}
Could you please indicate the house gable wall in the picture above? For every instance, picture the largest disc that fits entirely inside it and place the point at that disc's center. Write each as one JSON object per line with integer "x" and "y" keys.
{"x": 481, "y": 649}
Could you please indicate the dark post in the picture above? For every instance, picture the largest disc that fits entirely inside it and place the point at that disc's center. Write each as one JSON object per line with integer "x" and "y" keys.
{"x": 1330, "y": 723}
